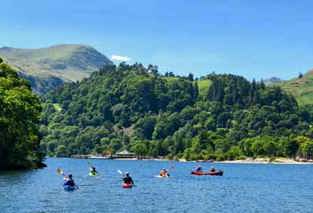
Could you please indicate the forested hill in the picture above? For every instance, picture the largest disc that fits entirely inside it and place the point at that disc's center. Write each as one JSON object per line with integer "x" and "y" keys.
{"x": 19, "y": 122}
{"x": 134, "y": 107}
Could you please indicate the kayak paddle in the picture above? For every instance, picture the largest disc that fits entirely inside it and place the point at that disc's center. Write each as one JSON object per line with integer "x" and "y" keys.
{"x": 119, "y": 171}
{"x": 60, "y": 171}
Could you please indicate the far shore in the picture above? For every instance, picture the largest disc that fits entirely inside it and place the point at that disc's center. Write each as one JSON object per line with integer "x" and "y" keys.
{"x": 267, "y": 161}
{"x": 278, "y": 160}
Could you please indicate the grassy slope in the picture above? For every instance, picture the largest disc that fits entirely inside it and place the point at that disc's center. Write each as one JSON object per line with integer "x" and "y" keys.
{"x": 204, "y": 86}
{"x": 301, "y": 88}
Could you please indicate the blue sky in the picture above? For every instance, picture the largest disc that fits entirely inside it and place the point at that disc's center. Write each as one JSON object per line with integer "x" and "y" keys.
{"x": 256, "y": 39}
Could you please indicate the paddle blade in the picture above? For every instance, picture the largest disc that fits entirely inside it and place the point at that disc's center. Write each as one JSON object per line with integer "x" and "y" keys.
{"x": 60, "y": 171}
{"x": 119, "y": 171}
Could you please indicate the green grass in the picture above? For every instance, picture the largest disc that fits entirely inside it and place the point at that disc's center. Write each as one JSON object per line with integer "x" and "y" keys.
{"x": 170, "y": 79}
{"x": 204, "y": 86}
{"x": 301, "y": 89}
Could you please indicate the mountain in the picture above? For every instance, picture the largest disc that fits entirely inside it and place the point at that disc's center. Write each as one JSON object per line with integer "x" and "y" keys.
{"x": 301, "y": 88}
{"x": 136, "y": 108}
{"x": 49, "y": 67}
{"x": 272, "y": 80}
{"x": 42, "y": 84}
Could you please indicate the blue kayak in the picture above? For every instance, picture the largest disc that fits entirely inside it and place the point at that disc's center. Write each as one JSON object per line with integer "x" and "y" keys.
{"x": 69, "y": 188}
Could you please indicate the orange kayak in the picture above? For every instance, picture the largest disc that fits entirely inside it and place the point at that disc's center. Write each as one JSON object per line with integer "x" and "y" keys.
{"x": 127, "y": 185}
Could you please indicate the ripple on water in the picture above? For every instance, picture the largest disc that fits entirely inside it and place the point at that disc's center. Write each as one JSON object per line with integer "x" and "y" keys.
{"x": 243, "y": 188}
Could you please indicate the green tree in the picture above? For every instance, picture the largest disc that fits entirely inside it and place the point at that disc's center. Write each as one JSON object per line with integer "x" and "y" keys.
{"x": 290, "y": 148}
{"x": 122, "y": 106}
{"x": 61, "y": 151}
{"x": 140, "y": 149}
{"x": 19, "y": 122}
{"x": 306, "y": 150}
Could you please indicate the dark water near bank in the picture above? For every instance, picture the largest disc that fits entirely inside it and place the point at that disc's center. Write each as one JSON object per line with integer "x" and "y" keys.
{"x": 243, "y": 188}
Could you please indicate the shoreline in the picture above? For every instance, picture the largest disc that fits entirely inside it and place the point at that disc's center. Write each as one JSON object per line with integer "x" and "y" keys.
{"x": 279, "y": 160}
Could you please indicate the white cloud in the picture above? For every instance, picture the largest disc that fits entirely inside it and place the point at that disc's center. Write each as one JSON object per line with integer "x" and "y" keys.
{"x": 120, "y": 58}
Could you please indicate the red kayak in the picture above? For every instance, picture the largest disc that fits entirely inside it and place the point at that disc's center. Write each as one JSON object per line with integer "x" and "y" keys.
{"x": 215, "y": 173}
{"x": 127, "y": 185}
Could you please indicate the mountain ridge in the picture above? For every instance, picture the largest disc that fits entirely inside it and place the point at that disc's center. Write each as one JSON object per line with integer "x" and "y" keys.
{"x": 61, "y": 62}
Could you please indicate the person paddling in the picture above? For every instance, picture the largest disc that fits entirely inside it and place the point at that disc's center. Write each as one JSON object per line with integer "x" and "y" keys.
{"x": 93, "y": 170}
{"x": 127, "y": 179}
{"x": 68, "y": 181}
{"x": 164, "y": 173}
{"x": 198, "y": 169}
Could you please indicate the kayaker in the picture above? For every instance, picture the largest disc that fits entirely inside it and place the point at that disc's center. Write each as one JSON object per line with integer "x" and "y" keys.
{"x": 212, "y": 169}
{"x": 164, "y": 173}
{"x": 93, "y": 170}
{"x": 68, "y": 181}
{"x": 127, "y": 179}
{"x": 199, "y": 169}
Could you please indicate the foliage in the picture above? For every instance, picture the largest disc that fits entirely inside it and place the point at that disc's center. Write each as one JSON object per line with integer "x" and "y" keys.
{"x": 136, "y": 108}
{"x": 19, "y": 121}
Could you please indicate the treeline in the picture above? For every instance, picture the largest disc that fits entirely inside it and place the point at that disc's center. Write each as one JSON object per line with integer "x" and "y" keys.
{"x": 134, "y": 107}
{"x": 19, "y": 122}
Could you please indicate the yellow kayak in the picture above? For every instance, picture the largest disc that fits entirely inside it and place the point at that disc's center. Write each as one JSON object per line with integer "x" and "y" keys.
{"x": 92, "y": 174}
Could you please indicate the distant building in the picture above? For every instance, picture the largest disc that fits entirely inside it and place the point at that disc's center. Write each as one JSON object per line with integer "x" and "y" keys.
{"x": 124, "y": 154}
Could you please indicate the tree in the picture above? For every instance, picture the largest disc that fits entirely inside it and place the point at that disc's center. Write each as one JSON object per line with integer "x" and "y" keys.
{"x": 196, "y": 90}
{"x": 290, "y": 147}
{"x": 130, "y": 106}
{"x": 216, "y": 91}
{"x": 19, "y": 122}
{"x": 234, "y": 153}
{"x": 140, "y": 149}
{"x": 153, "y": 69}
{"x": 307, "y": 150}
{"x": 61, "y": 151}
{"x": 270, "y": 147}
{"x": 190, "y": 77}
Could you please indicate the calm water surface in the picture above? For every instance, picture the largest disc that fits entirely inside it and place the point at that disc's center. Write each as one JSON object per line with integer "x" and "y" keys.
{"x": 243, "y": 188}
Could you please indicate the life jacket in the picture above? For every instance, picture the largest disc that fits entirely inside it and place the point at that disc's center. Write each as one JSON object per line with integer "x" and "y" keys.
{"x": 128, "y": 180}
{"x": 69, "y": 183}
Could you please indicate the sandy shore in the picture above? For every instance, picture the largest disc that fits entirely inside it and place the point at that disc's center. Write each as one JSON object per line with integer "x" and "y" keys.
{"x": 257, "y": 161}
{"x": 267, "y": 161}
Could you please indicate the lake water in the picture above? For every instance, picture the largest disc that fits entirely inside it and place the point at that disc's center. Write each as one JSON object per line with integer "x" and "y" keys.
{"x": 243, "y": 188}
